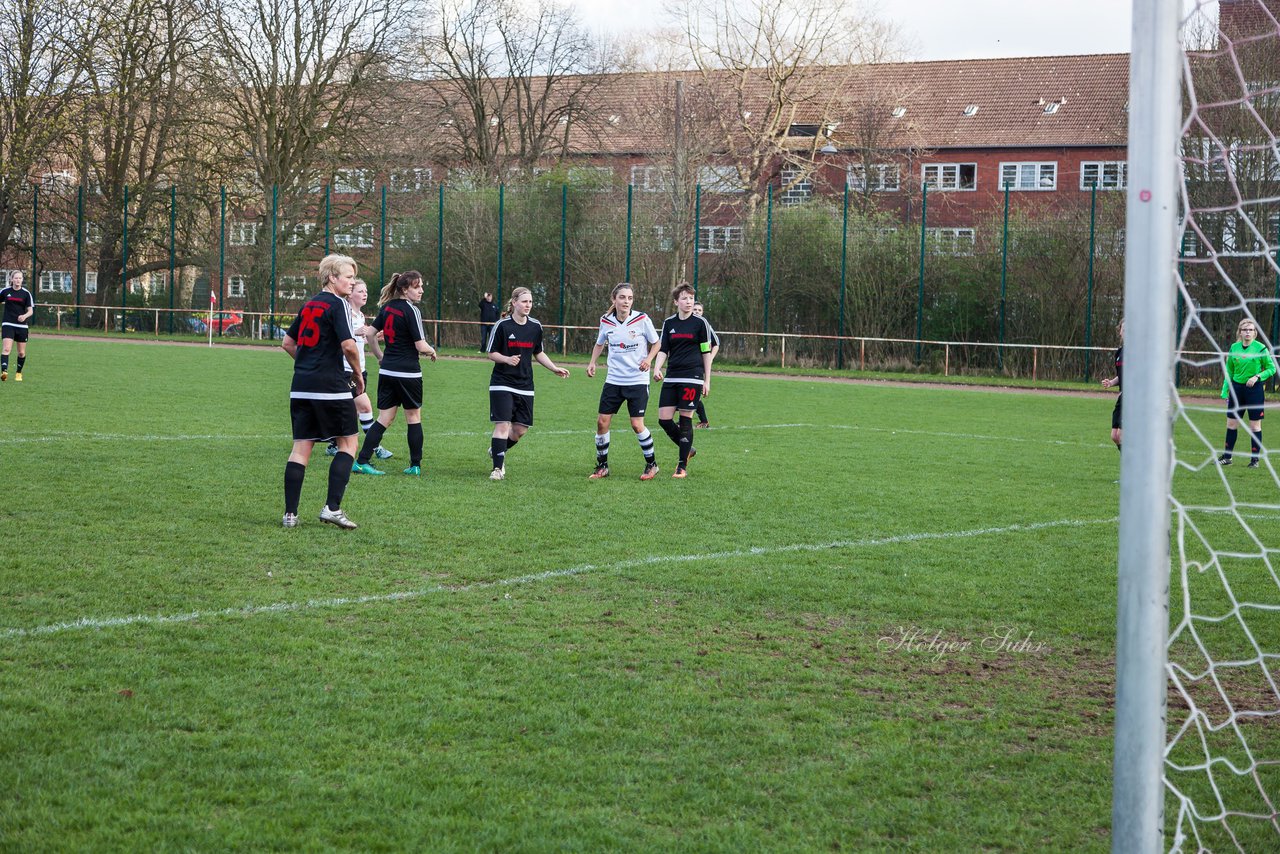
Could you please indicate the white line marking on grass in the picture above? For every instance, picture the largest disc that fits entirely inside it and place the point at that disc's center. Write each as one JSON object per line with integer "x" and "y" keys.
{"x": 340, "y": 602}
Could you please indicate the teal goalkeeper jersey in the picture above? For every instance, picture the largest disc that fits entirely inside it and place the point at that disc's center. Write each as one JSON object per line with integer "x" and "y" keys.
{"x": 1246, "y": 362}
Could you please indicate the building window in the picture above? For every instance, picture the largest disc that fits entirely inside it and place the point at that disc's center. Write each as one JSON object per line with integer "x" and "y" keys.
{"x": 1029, "y": 176}
{"x": 92, "y": 233}
{"x": 1106, "y": 174}
{"x": 797, "y": 187}
{"x": 90, "y": 281}
{"x": 300, "y": 234}
{"x": 292, "y": 287}
{"x": 661, "y": 239}
{"x": 951, "y": 176}
{"x": 57, "y": 181}
{"x": 877, "y": 178}
{"x": 149, "y": 283}
{"x": 55, "y": 282}
{"x": 352, "y": 181}
{"x": 718, "y": 238}
{"x": 356, "y": 236}
{"x": 409, "y": 180}
{"x": 243, "y": 233}
{"x": 649, "y": 179}
{"x": 57, "y": 232}
{"x": 596, "y": 178}
{"x": 951, "y": 241}
{"x": 720, "y": 179}
{"x": 236, "y": 286}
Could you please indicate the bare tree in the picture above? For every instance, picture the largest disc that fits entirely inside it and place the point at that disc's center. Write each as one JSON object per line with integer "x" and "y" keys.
{"x": 784, "y": 70}
{"x": 42, "y": 51}
{"x": 298, "y": 85}
{"x": 511, "y": 87}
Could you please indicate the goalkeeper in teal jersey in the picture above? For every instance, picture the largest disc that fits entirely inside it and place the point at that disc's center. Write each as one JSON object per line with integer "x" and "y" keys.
{"x": 1249, "y": 364}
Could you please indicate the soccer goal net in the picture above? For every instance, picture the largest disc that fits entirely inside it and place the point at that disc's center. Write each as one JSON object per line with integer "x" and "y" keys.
{"x": 1222, "y": 735}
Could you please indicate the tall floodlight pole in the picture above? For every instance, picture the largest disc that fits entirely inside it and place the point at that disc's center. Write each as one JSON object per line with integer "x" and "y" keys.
{"x": 1151, "y": 215}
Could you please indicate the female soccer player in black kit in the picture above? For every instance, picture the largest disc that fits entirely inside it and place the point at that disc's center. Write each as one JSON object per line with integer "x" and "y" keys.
{"x": 320, "y": 401}
{"x": 686, "y": 353}
{"x": 515, "y": 342}
{"x": 400, "y": 374}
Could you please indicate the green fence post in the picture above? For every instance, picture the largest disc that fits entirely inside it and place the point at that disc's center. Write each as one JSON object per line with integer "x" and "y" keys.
{"x": 173, "y": 237}
{"x": 924, "y": 221}
{"x": 440, "y": 258}
{"x": 768, "y": 261}
{"x": 275, "y": 204}
{"x": 222, "y": 252}
{"x": 328, "y": 191}
{"x": 564, "y": 226}
{"x": 627, "y": 273}
{"x": 382, "y": 240}
{"x": 1004, "y": 274}
{"x": 124, "y": 258}
{"x": 79, "y": 249}
{"x": 844, "y": 256}
{"x": 1088, "y": 310}
{"x": 502, "y": 193}
{"x": 697, "y": 230}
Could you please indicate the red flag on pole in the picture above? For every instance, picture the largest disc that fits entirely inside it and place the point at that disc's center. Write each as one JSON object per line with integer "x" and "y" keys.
{"x": 213, "y": 298}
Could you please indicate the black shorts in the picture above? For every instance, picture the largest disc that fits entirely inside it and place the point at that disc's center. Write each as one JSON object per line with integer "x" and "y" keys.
{"x": 612, "y": 396}
{"x": 509, "y": 406}
{"x": 351, "y": 383}
{"x": 1115, "y": 413}
{"x": 399, "y": 391}
{"x": 683, "y": 396}
{"x": 17, "y": 333}
{"x": 321, "y": 420}
{"x": 1246, "y": 400}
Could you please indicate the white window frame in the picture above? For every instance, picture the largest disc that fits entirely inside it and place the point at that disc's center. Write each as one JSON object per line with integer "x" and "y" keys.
{"x": 949, "y": 177}
{"x": 292, "y": 287}
{"x": 799, "y": 192}
{"x": 90, "y": 281}
{"x": 358, "y": 236}
{"x": 411, "y": 180}
{"x": 721, "y": 180}
{"x": 352, "y": 182}
{"x": 885, "y": 178}
{"x": 237, "y": 286}
{"x": 1109, "y": 174}
{"x": 57, "y": 180}
{"x": 243, "y": 232}
{"x": 660, "y": 238}
{"x": 403, "y": 235}
{"x": 54, "y": 233}
{"x": 718, "y": 238}
{"x": 952, "y": 241}
{"x": 648, "y": 178}
{"x": 1029, "y": 175}
{"x": 92, "y": 232}
{"x": 49, "y": 285}
{"x": 300, "y": 234}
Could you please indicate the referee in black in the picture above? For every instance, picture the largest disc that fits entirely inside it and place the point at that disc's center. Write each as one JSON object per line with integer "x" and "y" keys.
{"x": 321, "y": 402}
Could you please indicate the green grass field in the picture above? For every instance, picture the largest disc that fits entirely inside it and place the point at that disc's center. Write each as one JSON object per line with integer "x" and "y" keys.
{"x": 871, "y": 618}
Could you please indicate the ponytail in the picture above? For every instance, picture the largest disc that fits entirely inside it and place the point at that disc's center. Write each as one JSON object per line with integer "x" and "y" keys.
{"x": 613, "y": 294}
{"x": 399, "y": 284}
{"x": 509, "y": 309}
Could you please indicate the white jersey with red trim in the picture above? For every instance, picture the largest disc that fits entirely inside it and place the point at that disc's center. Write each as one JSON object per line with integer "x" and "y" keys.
{"x": 628, "y": 342}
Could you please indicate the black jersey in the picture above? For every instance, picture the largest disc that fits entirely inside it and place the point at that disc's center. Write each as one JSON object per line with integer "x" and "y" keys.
{"x": 320, "y": 328}
{"x": 510, "y": 338}
{"x": 684, "y": 342}
{"x": 400, "y": 323}
{"x": 1119, "y": 364}
{"x": 16, "y": 302}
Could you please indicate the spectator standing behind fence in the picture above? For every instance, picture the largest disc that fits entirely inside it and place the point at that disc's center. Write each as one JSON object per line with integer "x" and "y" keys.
{"x": 488, "y": 317}
{"x": 715, "y": 348}
{"x": 18, "y": 308}
{"x": 1249, "y": 365}
{"x": 321, "y": 405}
{"x": 1116, "y": 383}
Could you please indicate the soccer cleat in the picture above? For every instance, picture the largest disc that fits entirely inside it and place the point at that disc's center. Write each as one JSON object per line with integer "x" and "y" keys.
{"x": 4, "y": 375}
{"x": 1253, "y": 464}
{"x": 331, "y": 450}
{"x": 693, "y": 452}
{"x": 364, "y": 468}
{"x": 680, "y": 472}
{"x": 382, "y": 453}
{"x": 650, "y": 472}
{"x": 497, "y": 474}
{"x": 290, "y": 520}
{"x": 336, "y": 517}
{"x": 1224, "y": 460}
{"x": 702, "y": 425}
{"x": 415, "y": 471}
{"x": 17, "y": 378}
{"x": 600, "y": 472}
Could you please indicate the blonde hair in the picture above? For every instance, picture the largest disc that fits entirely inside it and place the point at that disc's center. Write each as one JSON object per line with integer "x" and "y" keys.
{"x": 331, "y": 265}
{"x": 399, "y": 284}
{"x": 1241, "y": 325}
{"x": 511, "y": 301}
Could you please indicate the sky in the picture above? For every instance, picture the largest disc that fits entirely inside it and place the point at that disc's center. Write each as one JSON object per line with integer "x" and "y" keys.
{"x": 952, "y": 29}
